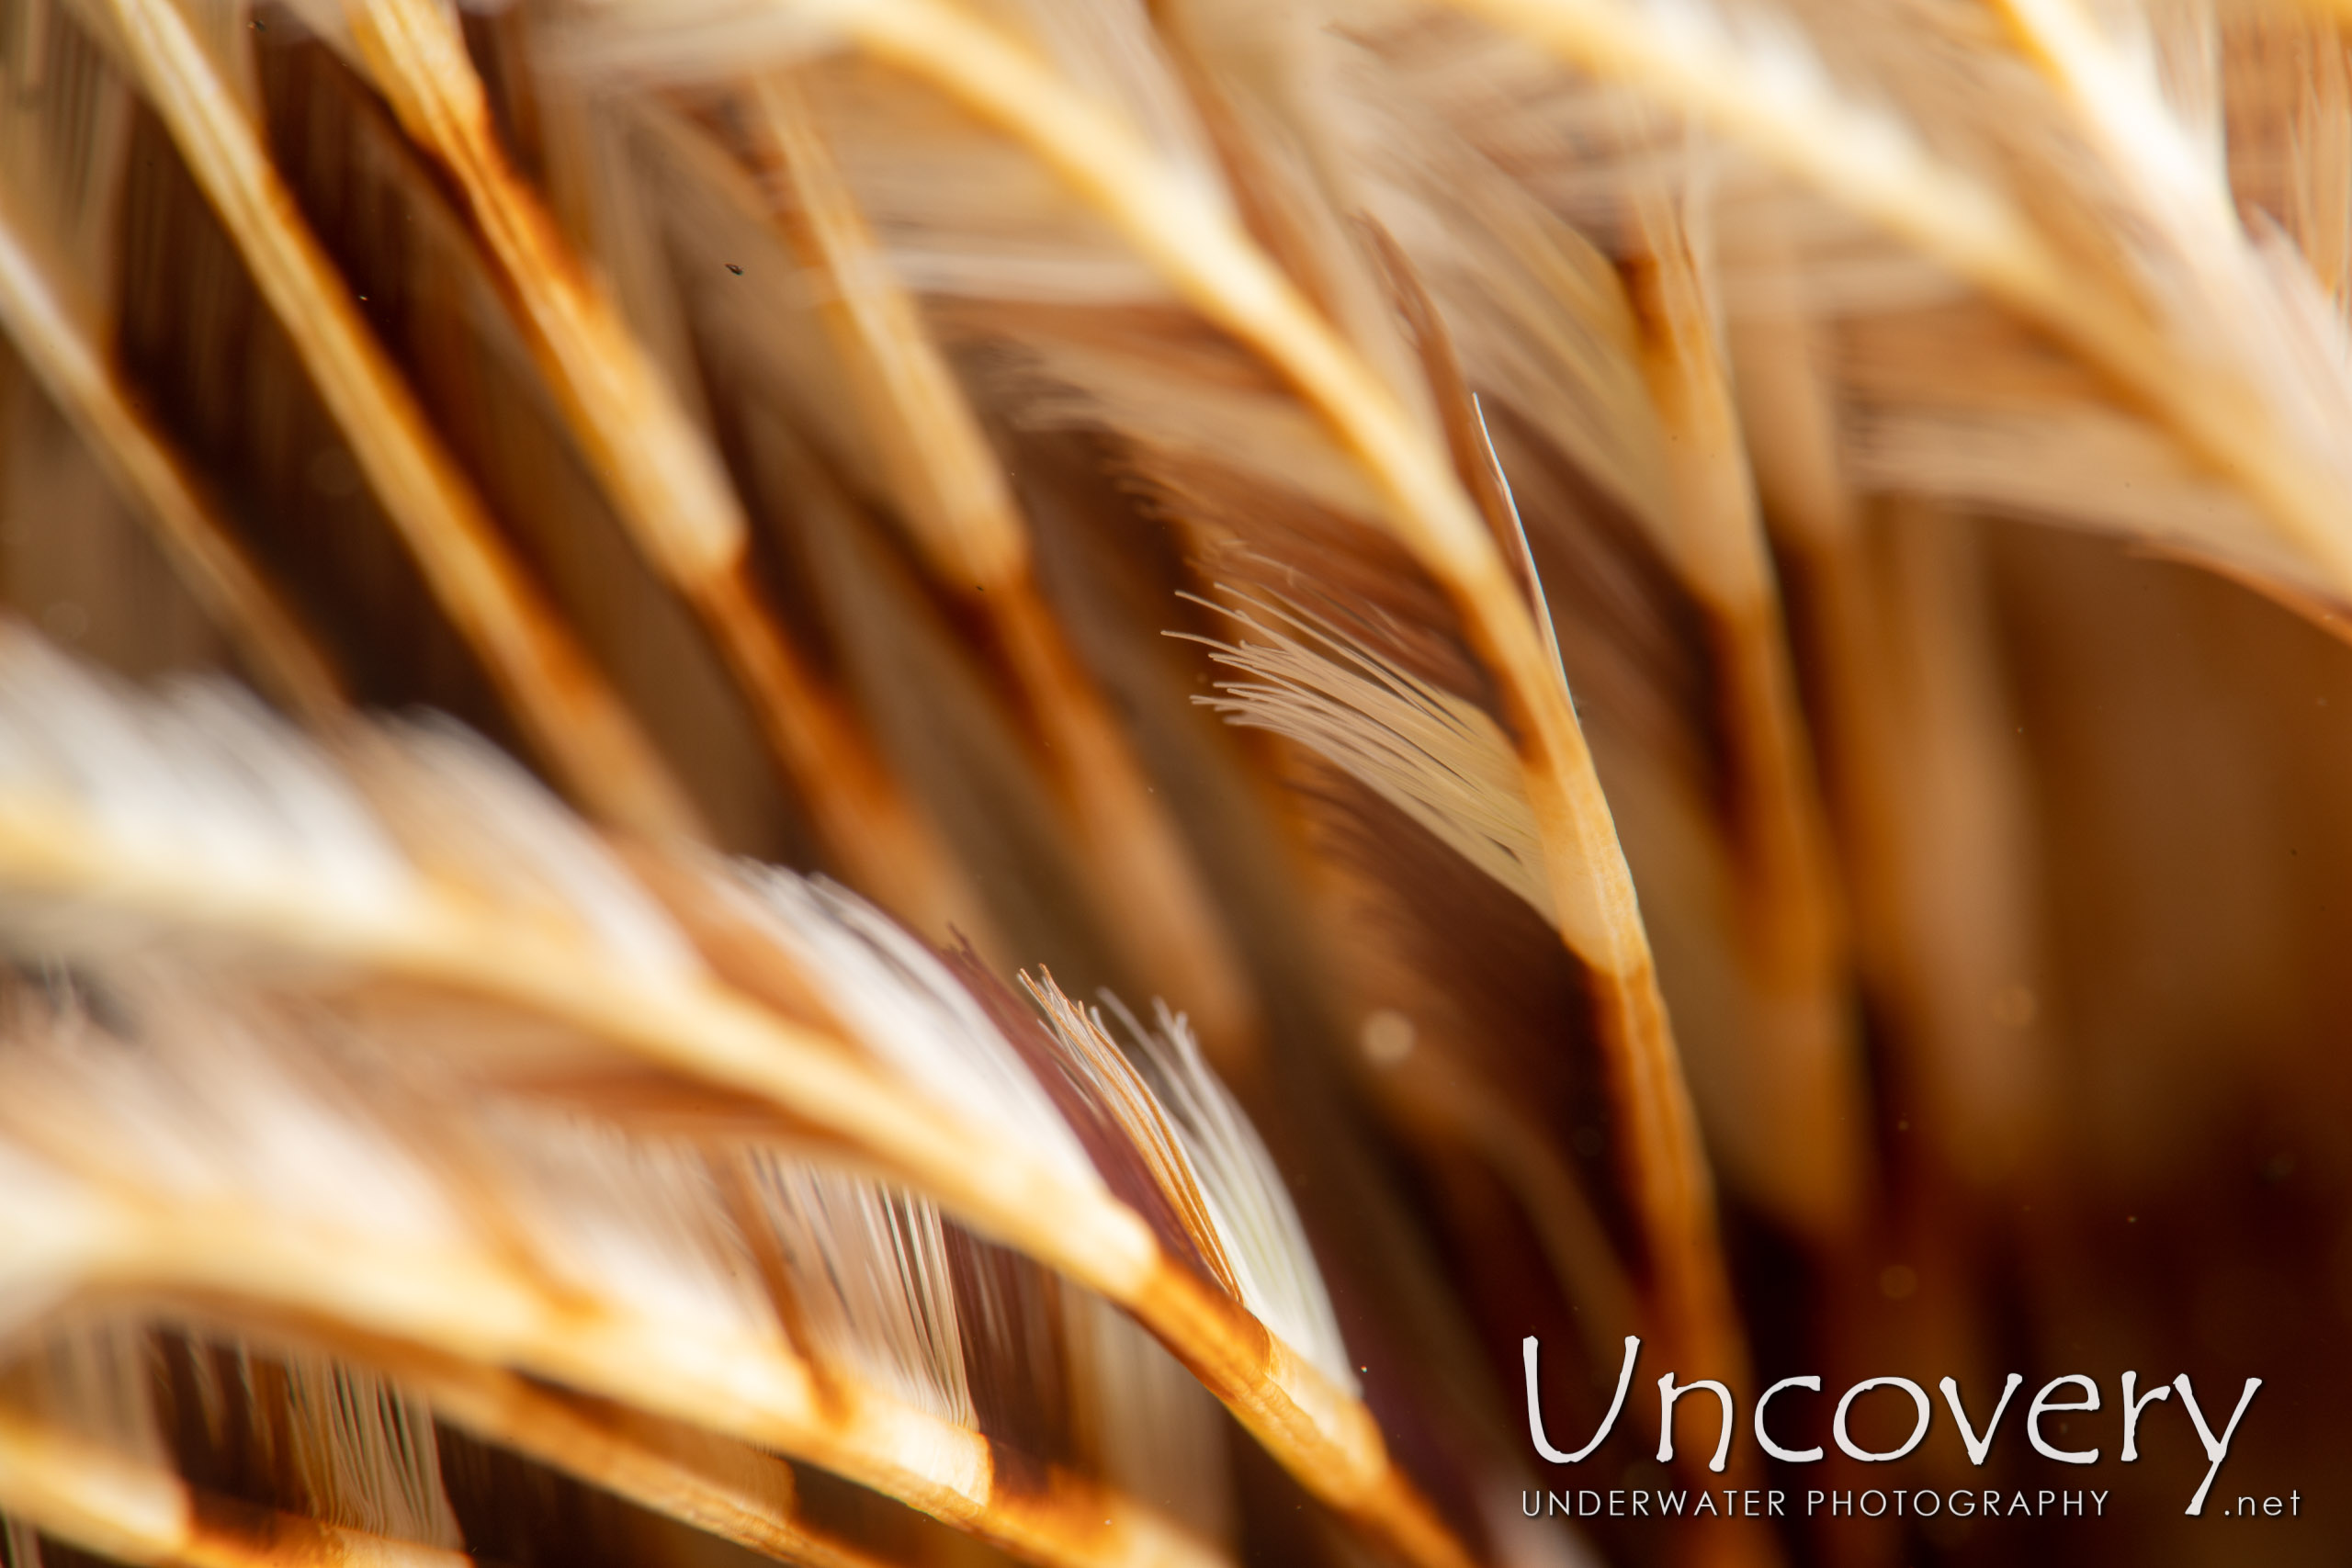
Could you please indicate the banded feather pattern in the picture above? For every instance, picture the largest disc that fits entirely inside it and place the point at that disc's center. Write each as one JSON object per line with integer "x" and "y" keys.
{"x": 889, "y": 781}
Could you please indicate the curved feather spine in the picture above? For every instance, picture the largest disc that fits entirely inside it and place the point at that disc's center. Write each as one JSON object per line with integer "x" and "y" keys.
{"x": 972, "y": 532}
{"x": 667, "y": 483}
{"x": 1201, "y": 250}
{"x": 588, "y": 737}
{"x": 1790, "y": 917}
{"x": 426, "y": 925}
{"x": 137, "y": 1513}
{"x": 1960, "y": 223}
{"x": 462, "y": 1233}
{"x": 601, "y": 1448}
{"x": 690, "y": 1023}
{"x": 484, "y": 1314}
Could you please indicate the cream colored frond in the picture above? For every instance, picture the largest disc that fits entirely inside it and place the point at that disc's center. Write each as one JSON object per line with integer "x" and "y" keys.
{"x": 1438, "y": 758}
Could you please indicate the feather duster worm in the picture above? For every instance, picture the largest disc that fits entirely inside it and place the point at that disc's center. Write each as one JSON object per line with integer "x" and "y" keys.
{"x": 911, "y": 781}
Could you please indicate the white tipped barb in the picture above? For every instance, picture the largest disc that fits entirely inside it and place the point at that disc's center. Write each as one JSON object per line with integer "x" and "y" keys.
{"x": 1257, "y": 1227}
{"x": 1439, "y": 758}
